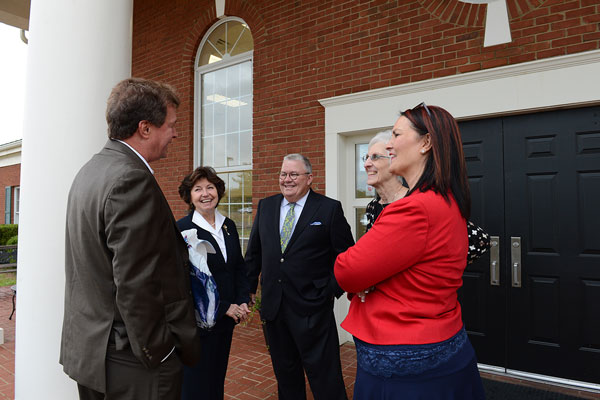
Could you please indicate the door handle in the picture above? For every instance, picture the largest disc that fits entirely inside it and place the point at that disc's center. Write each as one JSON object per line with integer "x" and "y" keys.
{"x": 494, "y": 260}
{"x": 515, "y": 259}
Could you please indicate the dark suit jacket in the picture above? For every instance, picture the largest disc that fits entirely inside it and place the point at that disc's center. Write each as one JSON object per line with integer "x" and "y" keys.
{"x": 231, "y": 276}
{"x": 305, "y": 270}
{"x": 125, "y": 264}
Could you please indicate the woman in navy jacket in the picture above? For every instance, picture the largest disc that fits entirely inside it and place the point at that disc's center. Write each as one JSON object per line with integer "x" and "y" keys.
{"x": 202, "y": 190}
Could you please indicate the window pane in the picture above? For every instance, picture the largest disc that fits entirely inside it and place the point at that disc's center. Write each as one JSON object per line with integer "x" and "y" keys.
{"x": 219, "y": 151}
{"x": 233, "y": 146}
{"x": 233, "y": 82}
{"x": 362, "y": 190}
{"x": 217, "y": 38}
{"x": 247, "y": 210}
{"x": 221, "y": 85}
{"x": 220, "y": 110}
{"x": 208, "y": 87}
{"x": 235, "y": 187}
{"x": 207, "y": 151}
{"x": 209, "y": 55}
{"x": 207, "y": 120}
{"x": 233, "y": 116}
{"x": 245, "y": 43}
{"x": 246, "y": 113}
{"x": 245, "y": 78}
{"x": 361, "y": 222}
{"x": 246, "y": 148}
{"x": 223, "y": 207}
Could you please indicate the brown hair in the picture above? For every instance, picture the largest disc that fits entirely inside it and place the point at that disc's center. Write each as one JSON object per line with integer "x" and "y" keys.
{"x": 135, "y": 99}
{"x": 188, "y": 182}
{"x": 445, "y": 169}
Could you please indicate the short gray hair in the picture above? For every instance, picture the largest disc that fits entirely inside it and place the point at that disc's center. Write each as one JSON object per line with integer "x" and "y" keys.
{"x": 299, "y": 157}
{"x": 383, "y": 137}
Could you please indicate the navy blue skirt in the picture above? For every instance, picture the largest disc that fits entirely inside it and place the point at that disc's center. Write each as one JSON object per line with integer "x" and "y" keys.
{"x": 439, "y": 371}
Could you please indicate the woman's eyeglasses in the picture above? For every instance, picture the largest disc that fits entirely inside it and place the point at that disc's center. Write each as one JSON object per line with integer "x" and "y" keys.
{"x": 373, "y": 157}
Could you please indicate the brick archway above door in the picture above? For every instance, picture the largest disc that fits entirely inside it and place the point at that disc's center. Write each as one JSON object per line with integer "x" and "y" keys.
{"x": 473, "y": 15}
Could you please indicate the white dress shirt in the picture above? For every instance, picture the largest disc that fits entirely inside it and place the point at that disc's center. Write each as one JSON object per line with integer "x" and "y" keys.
{"x": 138, "y": 154}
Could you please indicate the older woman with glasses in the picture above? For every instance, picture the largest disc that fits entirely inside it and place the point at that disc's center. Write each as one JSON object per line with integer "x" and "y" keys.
{"x": 388, "y": 186}
{"x": 410, "y": 339}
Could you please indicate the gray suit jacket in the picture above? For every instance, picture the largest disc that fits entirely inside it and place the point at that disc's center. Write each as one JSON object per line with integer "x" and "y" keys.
{"x": 126, "y": 266}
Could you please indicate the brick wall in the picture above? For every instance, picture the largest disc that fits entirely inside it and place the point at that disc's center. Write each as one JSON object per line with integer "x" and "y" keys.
{"x": 9, "y": 176}
{"x": 308, "y": 50}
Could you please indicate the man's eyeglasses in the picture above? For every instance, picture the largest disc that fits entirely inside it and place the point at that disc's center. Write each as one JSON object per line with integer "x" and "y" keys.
{"x": 293, "y": 175}
{"x": 422, "y": 104}
{"x": 373, "y": 157}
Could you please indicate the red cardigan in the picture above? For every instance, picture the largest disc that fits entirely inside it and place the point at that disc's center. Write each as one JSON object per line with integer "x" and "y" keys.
{"x": 415, "y": 255}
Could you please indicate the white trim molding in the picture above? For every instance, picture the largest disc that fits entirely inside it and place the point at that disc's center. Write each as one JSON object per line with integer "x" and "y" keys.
{"x": 10, "y": 153}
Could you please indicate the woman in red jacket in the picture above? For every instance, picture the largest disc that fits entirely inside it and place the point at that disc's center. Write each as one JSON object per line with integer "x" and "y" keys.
{"x": 409, "y": 335}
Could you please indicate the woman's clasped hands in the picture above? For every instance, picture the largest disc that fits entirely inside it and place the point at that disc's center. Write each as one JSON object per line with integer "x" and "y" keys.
{"x": 238, "y": 313}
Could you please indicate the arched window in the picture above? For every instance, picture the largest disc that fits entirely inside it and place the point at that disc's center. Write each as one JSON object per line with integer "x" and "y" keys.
{"x": 223, "y": 115}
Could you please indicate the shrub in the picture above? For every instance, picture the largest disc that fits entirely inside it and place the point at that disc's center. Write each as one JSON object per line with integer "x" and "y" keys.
{"x": 12, "y": 240}
{"x": 8, "y": 231}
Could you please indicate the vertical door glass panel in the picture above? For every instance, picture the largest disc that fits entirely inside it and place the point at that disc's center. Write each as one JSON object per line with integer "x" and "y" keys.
{"x": 361, "y": 222}
{"x": 361, "y": 189}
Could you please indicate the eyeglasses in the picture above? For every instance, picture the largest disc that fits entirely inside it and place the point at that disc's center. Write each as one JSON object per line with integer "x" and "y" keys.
{"x": 422, "y": 104}
{"x": 293, "y": 175}
{"x": 373, "y": 157}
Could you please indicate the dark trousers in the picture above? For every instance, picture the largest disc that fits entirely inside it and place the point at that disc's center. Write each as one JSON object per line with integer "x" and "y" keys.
{"x": 128, "y": 379}
{"x": 306, "y": 343}
{"x": 206, "y": 380}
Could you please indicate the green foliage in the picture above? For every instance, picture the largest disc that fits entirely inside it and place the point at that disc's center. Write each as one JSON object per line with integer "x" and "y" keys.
{"x": 12, "y": 240}
{"x": 8, "y": 279}
{"x": 7, "y": 232}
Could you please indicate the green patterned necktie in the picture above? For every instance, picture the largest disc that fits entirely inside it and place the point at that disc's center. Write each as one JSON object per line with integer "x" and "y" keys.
{"x": 286, "y": 230}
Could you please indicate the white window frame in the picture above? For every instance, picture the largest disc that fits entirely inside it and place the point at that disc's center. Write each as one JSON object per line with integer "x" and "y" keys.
{"x": 199, "y": 71}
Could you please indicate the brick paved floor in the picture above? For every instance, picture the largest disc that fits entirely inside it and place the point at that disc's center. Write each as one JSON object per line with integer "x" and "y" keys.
{"x": 250, "y": 374}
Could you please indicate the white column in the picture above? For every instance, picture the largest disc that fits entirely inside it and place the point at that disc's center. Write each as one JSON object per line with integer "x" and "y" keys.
{"x": 78, "y": 50}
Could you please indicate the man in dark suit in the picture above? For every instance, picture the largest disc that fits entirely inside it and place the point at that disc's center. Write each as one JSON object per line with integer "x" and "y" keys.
{"x": 293, "y": 244}
{"x": 129, "y": 319}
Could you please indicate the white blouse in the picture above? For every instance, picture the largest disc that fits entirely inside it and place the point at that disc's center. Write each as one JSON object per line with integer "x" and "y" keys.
{"x": 216, "y": 232}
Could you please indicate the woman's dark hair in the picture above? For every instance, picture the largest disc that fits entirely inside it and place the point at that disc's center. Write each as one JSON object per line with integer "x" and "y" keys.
{"x": 185, "y": 189}
{"x": 445, "y": 169}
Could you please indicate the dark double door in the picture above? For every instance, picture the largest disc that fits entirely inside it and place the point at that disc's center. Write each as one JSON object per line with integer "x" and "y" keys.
{"x": 535, "y": 186}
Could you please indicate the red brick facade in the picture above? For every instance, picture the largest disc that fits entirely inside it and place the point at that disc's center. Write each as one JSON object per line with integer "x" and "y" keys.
{"x": 9, "y": 176}
{"x": 309, "y": 50}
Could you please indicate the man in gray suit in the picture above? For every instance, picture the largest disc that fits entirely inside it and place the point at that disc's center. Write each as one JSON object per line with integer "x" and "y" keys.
{"x": 129, "y": 319}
